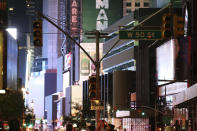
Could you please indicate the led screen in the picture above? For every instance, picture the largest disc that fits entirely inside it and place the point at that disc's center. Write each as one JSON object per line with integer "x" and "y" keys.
{"x": 165, "y": 57}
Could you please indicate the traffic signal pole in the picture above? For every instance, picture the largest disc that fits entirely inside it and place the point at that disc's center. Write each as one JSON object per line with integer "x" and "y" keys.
{"x": 97, "y": 76}
{"x": 98, "y": 35}
{"x": 96, "y": 63}
{"x": 67, "y": 34}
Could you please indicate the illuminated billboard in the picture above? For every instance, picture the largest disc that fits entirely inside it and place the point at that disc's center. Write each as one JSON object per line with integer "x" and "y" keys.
{"x": 172, "y": 60}
{"x": 76, "y": 98}
{"x": 87, "y": 68}
{"x": 166, "y": 61}
{"x": 100, "y": 14}
{"x": 67, "y": 61}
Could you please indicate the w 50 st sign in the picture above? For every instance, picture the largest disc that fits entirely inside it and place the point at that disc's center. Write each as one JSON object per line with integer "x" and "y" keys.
{"x": 140, "y": 34}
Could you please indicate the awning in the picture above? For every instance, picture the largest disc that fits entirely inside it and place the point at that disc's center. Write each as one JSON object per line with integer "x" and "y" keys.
{"x": 186, "y": 98}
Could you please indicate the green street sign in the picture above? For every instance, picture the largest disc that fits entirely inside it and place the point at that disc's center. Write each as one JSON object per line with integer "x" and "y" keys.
{"x": 140, "y": 34}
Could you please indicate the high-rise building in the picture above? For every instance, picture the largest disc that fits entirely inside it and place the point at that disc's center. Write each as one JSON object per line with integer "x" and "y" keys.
{"x": 131, "y": 5}
{"x": 50, "y": 52}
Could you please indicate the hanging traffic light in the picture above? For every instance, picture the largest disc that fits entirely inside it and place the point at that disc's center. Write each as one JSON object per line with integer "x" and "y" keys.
{"x": 178, "y": 25}
{"x": 166, "y": 26}
{"x": 92, "y": 87}
{"x": 37, "y": 33}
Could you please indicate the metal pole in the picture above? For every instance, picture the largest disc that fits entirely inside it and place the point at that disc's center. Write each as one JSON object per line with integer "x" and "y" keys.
{"x": 97, "y": 76}
{"x": 67, "y": 34}
{"x": 155, "y": 117}
{"x": 168, "y": 5}
{"x": 97, "y": 65}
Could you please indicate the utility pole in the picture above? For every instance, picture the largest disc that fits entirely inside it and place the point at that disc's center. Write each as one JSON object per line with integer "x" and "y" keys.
{"x": 98, "y": 35}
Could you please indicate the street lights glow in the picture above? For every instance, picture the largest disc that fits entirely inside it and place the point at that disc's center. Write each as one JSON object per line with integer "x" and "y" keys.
{"x": 12, "y": 32}
{"x": 108, "y": 113}
{"x": 23, "y": 90}
{"x": 143, "y": 113}
{"x": 108, "y": 107}
{"x": 2, "y": 91}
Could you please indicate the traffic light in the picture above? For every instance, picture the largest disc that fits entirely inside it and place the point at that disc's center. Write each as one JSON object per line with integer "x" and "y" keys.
{"x": 92, "y": 87}
{"x": 166, "y": 26}
{"x": 37, "y": 33}
{"x": 178, "y": 27}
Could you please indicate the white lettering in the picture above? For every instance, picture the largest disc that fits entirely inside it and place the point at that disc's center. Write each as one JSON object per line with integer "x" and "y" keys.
{"x": 102, "y": 4}
{"x": 101, "y": 25}
{"x": 102, "y": 15}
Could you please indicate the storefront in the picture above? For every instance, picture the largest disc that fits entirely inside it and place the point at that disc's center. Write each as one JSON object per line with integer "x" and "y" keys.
{"x": 185, "y": 112}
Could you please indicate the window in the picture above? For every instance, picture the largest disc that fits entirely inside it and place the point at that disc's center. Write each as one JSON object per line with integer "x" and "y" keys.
{"x": 146, "y": 4}
{"x": 128, "y": 11}
{"x": 137, "y": 4}
{"x": 128, "y": 4}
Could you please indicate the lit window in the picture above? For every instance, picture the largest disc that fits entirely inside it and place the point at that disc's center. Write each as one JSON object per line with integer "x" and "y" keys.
{"x": 137, "y": 4}
{"x": 146, "y": 4}
{"x": 128, "y": 4}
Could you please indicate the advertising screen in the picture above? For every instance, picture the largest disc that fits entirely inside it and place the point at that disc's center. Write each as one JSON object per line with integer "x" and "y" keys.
{"x": 12, "y": 62}
{"x": 67, "y": 61}
{"x": 87, "y": 68}
{"x": 165, "y": 57}
{"x": 172, "y": 60}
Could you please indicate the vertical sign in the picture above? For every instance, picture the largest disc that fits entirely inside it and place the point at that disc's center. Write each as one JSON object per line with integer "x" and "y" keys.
{"x": 102, "y": 19}
{"x": 75, "y": 23}
{"x": 99, "y": 15}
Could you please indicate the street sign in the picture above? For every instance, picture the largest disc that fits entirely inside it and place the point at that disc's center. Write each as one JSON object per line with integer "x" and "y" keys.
{"x": 97, "y": 105}
{"x": 97, "y": 108}
{"x": 140, "y": 34}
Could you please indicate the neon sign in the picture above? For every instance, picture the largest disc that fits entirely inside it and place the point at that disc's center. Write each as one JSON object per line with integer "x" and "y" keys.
{"x": 74, "y": 17}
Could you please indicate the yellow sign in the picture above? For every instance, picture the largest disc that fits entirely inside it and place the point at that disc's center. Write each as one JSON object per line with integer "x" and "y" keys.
{"x": 97, "y": 105}
{"x": 97, "y": 108}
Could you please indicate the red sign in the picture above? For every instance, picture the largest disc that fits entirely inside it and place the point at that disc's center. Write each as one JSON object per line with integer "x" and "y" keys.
{"x": 74, "y": 17}
{"x": 3, "y": 5}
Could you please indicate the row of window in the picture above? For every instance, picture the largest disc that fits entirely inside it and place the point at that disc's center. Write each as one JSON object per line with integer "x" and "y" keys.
{"x": 125, "y": 66}
{"x": 137, "y": 4}
{"x": 120, "y": 49}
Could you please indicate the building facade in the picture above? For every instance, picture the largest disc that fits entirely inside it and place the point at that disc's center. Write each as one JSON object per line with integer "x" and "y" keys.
{"x": 131, "y": 5}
